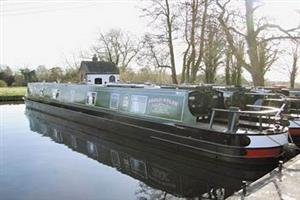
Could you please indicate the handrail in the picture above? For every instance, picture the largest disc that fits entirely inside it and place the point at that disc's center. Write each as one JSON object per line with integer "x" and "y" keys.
{"x": 264, "y": 94}
{"x": 288, "y": 99}
{"x": 270, "y": 110}
{"x": 235, "y": 112}
{"x": 291, "y": 99}
{"x": 263, "y": 107}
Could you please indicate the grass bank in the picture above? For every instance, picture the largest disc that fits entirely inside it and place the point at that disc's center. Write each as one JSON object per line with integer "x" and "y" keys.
{"x": 12, "y": 91}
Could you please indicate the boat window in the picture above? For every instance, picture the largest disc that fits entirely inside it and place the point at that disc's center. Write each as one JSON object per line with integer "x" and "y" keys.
{"x": 73, "y": 142}
{"x": 112, "y": 79}
{"x": 57, "y": 137}
{"x": 138, "y": 167}
{"x": 138, "y": 104}
{"x": 125, "y": 103}
{"x": 114, "y": 101}
{"x": 115, "y": 159}
{"x": 92, "y": 148}
{"x": 91, "y": 98}
{"x": 98, "y": 81}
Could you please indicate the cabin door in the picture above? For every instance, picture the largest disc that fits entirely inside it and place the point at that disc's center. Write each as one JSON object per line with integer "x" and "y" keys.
{"x": 112, "y": 79}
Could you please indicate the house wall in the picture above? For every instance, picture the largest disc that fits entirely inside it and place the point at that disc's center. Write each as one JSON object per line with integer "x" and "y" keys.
{"x": 105, "y": 78}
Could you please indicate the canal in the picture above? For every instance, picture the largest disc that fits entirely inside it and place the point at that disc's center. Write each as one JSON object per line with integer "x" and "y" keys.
{"x": 45, "y": 157}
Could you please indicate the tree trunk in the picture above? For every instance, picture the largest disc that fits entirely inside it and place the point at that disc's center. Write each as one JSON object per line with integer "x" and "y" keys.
{"x": 182, "y": 80}
{"x": 171, "y": 48}
{"x": 196, "y": 66}
{"x": 227, "y": 68}
{"x": 258, "y": 79}
{"x": 256, "y": 72}
{"x": 294, "y": 70}
{"x": 238, "y": 81}
{"x": 292, "y": 80}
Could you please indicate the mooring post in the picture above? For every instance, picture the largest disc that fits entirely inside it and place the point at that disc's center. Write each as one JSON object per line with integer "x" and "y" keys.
{"x": 244, "y": 187}
{"x": 280, "y": 165}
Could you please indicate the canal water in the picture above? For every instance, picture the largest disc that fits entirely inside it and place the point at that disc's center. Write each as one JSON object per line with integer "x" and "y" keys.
{"x": 44, "y": 157}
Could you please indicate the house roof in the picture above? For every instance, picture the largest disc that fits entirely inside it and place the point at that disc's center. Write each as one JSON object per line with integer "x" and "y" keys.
{"x": 99, "y": 67}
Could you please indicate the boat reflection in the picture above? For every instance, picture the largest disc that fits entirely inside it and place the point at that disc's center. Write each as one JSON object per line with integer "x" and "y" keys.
{"x": 160, "y": 173}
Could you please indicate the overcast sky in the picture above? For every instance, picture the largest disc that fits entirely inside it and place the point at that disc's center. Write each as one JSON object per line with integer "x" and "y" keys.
{"x": 45, "y": 32}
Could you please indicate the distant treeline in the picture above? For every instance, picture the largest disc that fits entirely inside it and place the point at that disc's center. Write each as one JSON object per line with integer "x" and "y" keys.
{"x": 23, "y": 76}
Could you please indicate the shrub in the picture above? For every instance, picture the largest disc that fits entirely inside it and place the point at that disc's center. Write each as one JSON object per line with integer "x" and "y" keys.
{"x": 3, "y": 83}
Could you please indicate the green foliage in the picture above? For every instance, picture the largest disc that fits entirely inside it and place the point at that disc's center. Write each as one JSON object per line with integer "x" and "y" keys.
{"x": 71, "y": 75}
{"x": 26, "y": 75}
{"x": 3, "y": 83}
{"x": 55, "y": 75}
{"x": 6, "y": 74}
{"x": 19, "y": 80}
{"x": 42, "y": 73}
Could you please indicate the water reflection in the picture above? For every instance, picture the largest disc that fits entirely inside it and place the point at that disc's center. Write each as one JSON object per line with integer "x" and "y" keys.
{"x": 162, "y": 174}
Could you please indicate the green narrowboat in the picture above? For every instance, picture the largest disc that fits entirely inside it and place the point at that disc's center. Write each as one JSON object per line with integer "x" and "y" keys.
{"x": 180, "y": 117}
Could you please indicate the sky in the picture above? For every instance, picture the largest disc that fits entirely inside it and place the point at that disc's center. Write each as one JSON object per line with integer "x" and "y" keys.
{"x": 47, "y": 32}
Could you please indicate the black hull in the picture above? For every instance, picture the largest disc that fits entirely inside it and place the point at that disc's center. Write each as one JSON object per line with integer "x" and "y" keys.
{"x": 168, "y": 137}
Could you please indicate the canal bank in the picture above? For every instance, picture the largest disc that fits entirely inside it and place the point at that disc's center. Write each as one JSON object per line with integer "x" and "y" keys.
{"x": 15, "y": 98}
{"x": 12, "y": 94}
{"x": 278, "y": 184}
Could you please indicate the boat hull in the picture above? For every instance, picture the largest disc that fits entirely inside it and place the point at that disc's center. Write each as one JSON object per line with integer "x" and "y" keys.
{"x": 186, "y": 140}
{"x": 294, "y": 131}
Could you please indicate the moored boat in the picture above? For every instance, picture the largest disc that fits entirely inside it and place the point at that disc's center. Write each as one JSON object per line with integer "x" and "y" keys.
{"x": 184, "y": 119}
{"x": 288, "y": 101}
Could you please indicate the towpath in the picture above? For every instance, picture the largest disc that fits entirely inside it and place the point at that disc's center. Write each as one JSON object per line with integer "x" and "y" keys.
{"x": 275, "y": 185}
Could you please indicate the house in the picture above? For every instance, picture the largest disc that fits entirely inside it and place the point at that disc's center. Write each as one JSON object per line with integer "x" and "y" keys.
{"x": 98, "y": 72}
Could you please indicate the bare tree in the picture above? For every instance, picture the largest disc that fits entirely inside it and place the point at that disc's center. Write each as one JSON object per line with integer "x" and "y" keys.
{"x": 117, "y": 47}
{"x": 162, "y": 14}
{"x": 213, "y": 52}
{"x": 154, "y": 53}
{"x": 234, "y": 63}
{"x": 155, "y": 56}
{"x": 196, "y": 12}
{"x": 260, "y": 54}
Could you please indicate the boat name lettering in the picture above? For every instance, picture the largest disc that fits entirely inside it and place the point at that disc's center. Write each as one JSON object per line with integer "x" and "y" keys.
{"x": 163, "y": 100}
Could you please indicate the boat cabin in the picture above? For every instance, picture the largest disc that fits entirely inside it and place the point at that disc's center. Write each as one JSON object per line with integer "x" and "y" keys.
{"x": 98, "y": 72}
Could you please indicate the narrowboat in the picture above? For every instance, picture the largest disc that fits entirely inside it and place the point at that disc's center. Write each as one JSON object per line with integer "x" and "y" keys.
{"x": 157, "y": 170}
{"x": 286, "y": 99}
{"x": 179, "y": 118}
{"x": 187, "y": 118}
{"x": 293, "y": 101}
